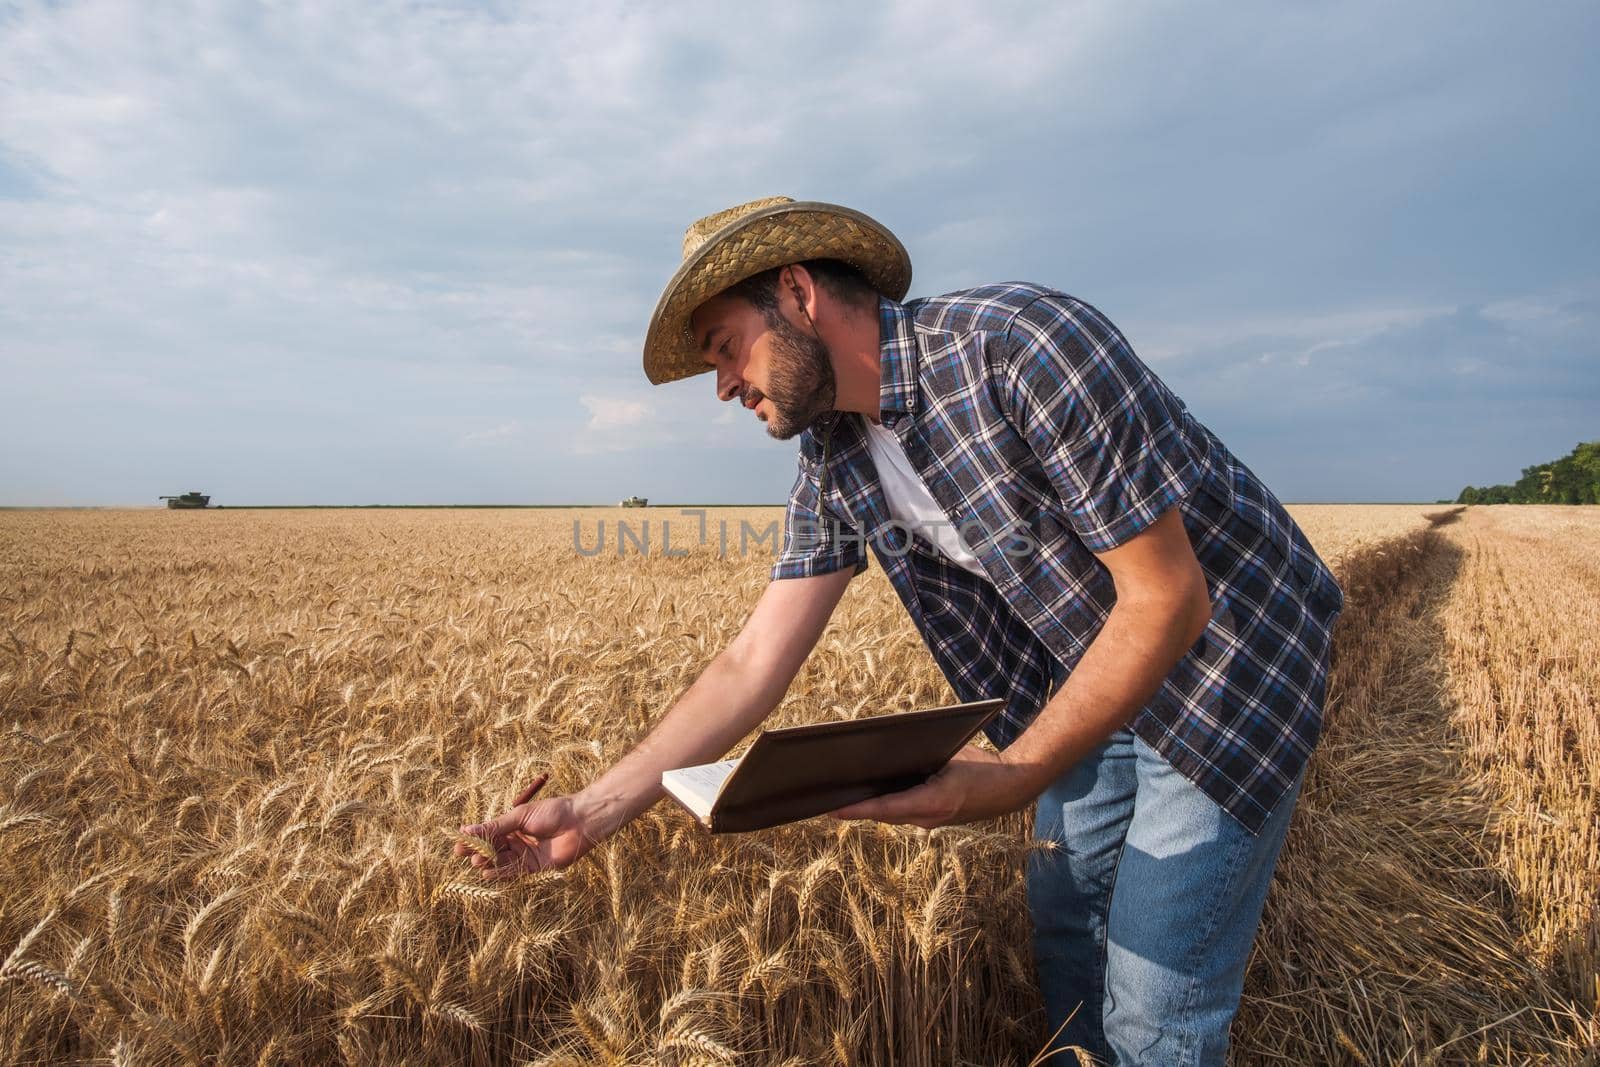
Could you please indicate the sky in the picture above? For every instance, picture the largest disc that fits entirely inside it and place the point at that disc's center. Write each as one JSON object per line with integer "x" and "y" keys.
{"x": 312, "y": 253}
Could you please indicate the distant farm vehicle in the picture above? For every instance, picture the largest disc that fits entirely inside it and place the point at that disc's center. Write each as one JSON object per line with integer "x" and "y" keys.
{"x": 634, "y": 502}
{"x": 192, "y": 499}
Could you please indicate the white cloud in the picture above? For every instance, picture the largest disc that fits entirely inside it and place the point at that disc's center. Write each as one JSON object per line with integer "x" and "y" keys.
{"x": 493, "y": 435}
{"x": 1313, "y": 331}
{"x": 612, "y": 413}
{"x": 617, "y": 424}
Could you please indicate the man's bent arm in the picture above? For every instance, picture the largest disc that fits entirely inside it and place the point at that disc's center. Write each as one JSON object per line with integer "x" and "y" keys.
{"x": 1162, "y": 608}
{"x": 736, "y": 691}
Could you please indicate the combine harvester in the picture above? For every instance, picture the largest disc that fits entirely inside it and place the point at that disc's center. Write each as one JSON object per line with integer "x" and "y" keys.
{"x": 192, "y": 499}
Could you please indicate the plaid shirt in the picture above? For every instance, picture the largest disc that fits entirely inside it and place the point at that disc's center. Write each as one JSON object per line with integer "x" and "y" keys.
{"x": 1036, "y": 429}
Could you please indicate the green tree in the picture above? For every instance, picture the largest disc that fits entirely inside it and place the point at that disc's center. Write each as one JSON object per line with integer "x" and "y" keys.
{"x": 1572, "y": 479}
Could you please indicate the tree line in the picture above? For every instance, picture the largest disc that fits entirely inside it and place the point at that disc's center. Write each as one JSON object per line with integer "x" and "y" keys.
{"x": 1572, "y": 479}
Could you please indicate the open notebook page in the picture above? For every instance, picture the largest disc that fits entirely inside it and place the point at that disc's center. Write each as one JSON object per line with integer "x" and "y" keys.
{"x": 697, "y": 787}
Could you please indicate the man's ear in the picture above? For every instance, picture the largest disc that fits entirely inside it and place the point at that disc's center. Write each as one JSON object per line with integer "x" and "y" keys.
{"x": 801, "y": 285}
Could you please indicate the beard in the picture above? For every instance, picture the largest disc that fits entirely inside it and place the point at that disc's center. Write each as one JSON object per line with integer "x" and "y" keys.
{"x": 801, "y": 385}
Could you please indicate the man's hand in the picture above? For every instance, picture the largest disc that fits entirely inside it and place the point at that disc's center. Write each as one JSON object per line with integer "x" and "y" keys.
{"x": 976, "y": 784}
{"x": 543, "y": 835}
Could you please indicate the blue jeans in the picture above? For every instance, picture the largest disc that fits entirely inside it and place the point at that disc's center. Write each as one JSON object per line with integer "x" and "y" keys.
{"x": 1143, "y": 919}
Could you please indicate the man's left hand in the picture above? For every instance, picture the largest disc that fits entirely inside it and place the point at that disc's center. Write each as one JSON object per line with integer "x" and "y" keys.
{"x": 976, "y": 784}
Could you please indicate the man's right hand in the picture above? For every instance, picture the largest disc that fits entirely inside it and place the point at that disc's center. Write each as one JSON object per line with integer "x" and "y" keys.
{"x": 541, "y": 835}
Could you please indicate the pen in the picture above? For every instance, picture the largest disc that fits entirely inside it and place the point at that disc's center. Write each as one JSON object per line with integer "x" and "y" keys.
{"x": 533, "y": 788}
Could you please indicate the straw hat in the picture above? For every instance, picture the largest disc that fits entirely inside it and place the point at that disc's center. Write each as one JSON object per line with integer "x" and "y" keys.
{"x": 726, "y": 248}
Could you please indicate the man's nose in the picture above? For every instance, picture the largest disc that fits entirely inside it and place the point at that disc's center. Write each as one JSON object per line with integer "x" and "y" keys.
{"x": 728, "y": 384}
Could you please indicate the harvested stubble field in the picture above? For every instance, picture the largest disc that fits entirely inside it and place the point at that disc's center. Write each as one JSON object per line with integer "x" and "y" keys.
{"x": 235, "y": 744}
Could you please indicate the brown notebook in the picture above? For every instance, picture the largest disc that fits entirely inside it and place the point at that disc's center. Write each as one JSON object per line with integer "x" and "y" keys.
{"x": 796, "y": 772}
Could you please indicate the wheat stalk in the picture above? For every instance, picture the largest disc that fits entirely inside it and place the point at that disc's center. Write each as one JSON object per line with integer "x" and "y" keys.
{"x": 254, "y": 708}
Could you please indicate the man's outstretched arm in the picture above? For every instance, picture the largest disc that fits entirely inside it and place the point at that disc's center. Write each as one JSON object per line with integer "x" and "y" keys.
{"x": 736, "y": 692}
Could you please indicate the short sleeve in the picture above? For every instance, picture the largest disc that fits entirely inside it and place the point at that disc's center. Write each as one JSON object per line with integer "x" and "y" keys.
{"x": 812, "y": 547}
{"x": 1116, "y": 444}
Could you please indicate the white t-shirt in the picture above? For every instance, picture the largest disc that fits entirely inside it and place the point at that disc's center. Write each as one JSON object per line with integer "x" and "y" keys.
{"x": 910, "y": 502}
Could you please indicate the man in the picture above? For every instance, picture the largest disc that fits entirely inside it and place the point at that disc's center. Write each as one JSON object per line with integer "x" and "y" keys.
{"x": 1063, "y": 533}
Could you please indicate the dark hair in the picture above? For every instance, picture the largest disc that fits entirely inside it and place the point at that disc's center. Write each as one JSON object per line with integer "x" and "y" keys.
{"x": 840, "y": 279}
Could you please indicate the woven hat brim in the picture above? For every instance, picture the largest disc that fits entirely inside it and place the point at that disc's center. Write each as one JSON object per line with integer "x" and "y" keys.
{"x": 769, "y": 237}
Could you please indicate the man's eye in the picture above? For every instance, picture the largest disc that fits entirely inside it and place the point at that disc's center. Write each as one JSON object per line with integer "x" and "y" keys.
{"x": 724, "y": 350}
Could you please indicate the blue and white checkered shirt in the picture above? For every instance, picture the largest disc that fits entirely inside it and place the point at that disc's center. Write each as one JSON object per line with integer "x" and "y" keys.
{"x": 1045, "y": 439}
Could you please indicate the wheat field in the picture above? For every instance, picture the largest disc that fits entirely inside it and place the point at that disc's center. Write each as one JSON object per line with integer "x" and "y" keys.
{"x": 235, "y": 746}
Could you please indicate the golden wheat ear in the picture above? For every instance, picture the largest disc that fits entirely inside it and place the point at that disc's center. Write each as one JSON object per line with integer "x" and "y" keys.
{"x": 481, "y": 845}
